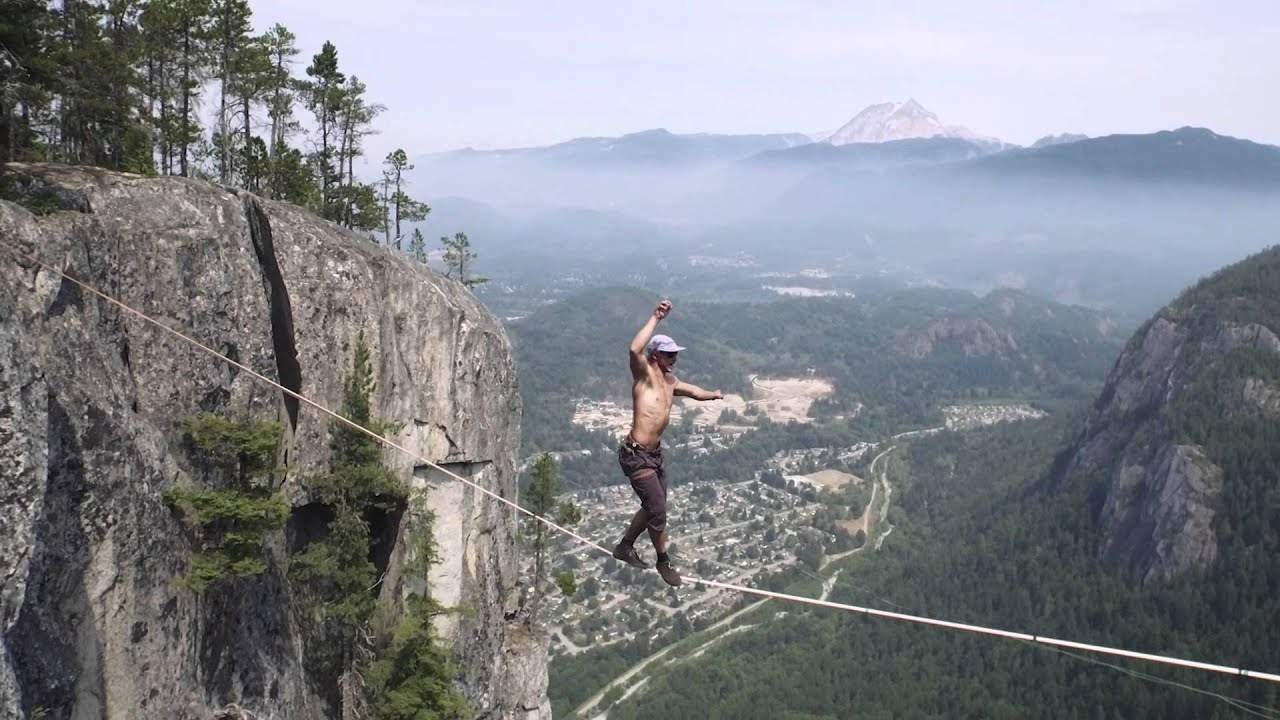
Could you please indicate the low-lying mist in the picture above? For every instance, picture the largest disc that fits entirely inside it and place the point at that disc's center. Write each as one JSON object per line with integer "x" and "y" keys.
{"x": 1124, "y": 244}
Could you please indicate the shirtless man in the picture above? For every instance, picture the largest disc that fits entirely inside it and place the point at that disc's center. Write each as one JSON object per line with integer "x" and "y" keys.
{"x": 640, "y": 453}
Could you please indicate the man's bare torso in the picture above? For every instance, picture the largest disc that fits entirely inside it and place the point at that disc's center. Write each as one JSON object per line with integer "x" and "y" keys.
{"x": 651, "y": 398}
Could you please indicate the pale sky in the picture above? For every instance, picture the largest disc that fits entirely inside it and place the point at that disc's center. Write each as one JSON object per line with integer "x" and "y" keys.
{"x": 490, "y": 74}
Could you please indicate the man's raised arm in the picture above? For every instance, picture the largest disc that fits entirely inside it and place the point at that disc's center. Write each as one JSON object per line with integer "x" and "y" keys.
{"x": 638, "y": 363}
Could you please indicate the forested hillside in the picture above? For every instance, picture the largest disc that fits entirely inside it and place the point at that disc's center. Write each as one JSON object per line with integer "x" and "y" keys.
{"x": 898, "y": 354}
{"x": 973, "y": 543}
{"x": 1043, "y": 528}
{"x": 1182, "y": 449}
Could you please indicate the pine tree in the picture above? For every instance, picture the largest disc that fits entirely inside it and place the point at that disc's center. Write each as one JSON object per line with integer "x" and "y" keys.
{"x": 324, "y": 98}
{"x": 457, "y": 256}
{"x": 335, "y": 572}
{"x": 232, "y": 516}
{"x": 281, "y": 88}
{"x": 229, "y": 35}
{"x": 286, "y": 174}
{"x": 192, "y": 31}
{"x": 399, "y": 204}
{"x": 93, "y": 47}
{"x": 540, "y": 499}
{"x": 409, "y": 679}
{"x": 359, "y": 205}
{"x": 175, "y": 36}
{"x": 157, "y": 57}
{"x": 418, "y": 246}
{"x": 28, "y": 78}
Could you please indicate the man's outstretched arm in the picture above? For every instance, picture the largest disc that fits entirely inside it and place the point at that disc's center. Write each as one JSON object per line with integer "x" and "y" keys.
{"x": 638, "y": 366}
{"x": 684, "y": 389}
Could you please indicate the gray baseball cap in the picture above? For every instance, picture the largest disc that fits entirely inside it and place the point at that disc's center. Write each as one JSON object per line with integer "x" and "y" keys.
{"x": 662, "y": 343}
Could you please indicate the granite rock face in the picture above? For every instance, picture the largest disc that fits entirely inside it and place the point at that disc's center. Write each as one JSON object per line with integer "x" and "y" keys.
{"x": 1163, "y": 498}
{"x": 1158, "y": 516}
{"x": 974, "y": 337}
{"x": 93, "y": 622}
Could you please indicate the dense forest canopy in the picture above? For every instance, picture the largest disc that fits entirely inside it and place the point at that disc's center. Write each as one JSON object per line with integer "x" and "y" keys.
{"x": 899, "y": 355}
{"x": 976, "y": 544}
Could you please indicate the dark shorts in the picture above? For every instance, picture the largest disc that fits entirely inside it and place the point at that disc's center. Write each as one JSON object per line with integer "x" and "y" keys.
{"x": 643, "y": 467}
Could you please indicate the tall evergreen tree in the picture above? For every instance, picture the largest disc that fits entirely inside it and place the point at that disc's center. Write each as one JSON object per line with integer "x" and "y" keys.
{"x": 400, "y": 207}
{"x": 540, "y": 499}
{"x": 280, "y": 91}
{"x": 324, "y": 98}
{"x": 28, "y": 77}
{"x": 176, "y": 40}
{"x": 229, "y": 36}
{"x": 158, "y": 60}
{"x": 192, "y": 32}
{"x": 335, "y": 572}
{"x": 359, "y": 206}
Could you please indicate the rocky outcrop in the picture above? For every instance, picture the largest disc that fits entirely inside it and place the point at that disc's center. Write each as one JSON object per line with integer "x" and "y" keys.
{"x": 1162, "y": 502}
{"x": 1159, "y": 513}
{"x": 90, "y": 399}
{"x": 971, "y": 336}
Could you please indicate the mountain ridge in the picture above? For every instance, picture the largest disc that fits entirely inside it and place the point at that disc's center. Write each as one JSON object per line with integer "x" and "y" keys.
{"x": 1182, "y": 447}
{"x": 1187, "y": 154}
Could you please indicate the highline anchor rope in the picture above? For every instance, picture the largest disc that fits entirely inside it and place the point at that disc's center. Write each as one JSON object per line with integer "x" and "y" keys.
{"x": 965, "y": 627}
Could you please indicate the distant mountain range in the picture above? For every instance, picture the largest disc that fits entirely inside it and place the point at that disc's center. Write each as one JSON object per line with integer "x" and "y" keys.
{"x": 893, "y": 134}
{"x": 1072, "y": 218}
{"x": 882, "y": 122}
{"x": 650, "y": 147}
{"x": 1048, "y": 140}
{"x": 1188, "y": 154}
{"x": 890, "y": 153}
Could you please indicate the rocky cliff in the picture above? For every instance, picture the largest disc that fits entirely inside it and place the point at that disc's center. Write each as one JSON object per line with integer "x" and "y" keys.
{"x": 1180, "y": 445}
{"x": 94, "y": 625}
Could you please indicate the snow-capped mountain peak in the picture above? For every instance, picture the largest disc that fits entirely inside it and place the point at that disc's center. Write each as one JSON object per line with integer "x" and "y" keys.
{"x": 895, "y": 121}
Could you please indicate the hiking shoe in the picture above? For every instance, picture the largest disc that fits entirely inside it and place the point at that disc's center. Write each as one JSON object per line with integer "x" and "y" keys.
{"x": 669, "y": 574}
{"x": 627, "y": 554}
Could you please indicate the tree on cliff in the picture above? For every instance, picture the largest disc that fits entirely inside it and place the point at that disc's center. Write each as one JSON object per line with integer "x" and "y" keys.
{"x": 335, "y": 572}
{"x": 418, "y": 246}
{"x": 341, "y": 572}
{"x": 119, "y": 84}
{"x": 239, "y": 507}
{"x": 457, "y": 257}
{"x": 400, "y": 207}
{"x": 323, "y": 94}
{"x": 410, "y": 677}
{"x": 540, "y": 499}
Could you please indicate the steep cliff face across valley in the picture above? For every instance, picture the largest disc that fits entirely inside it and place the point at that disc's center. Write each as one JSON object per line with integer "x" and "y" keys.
{"x": 94, "y": 624}
{"x": 1182, "y": 445}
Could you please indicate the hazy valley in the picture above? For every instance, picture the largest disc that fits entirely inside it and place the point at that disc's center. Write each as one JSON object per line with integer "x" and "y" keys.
{"x": 270, "y": 410}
